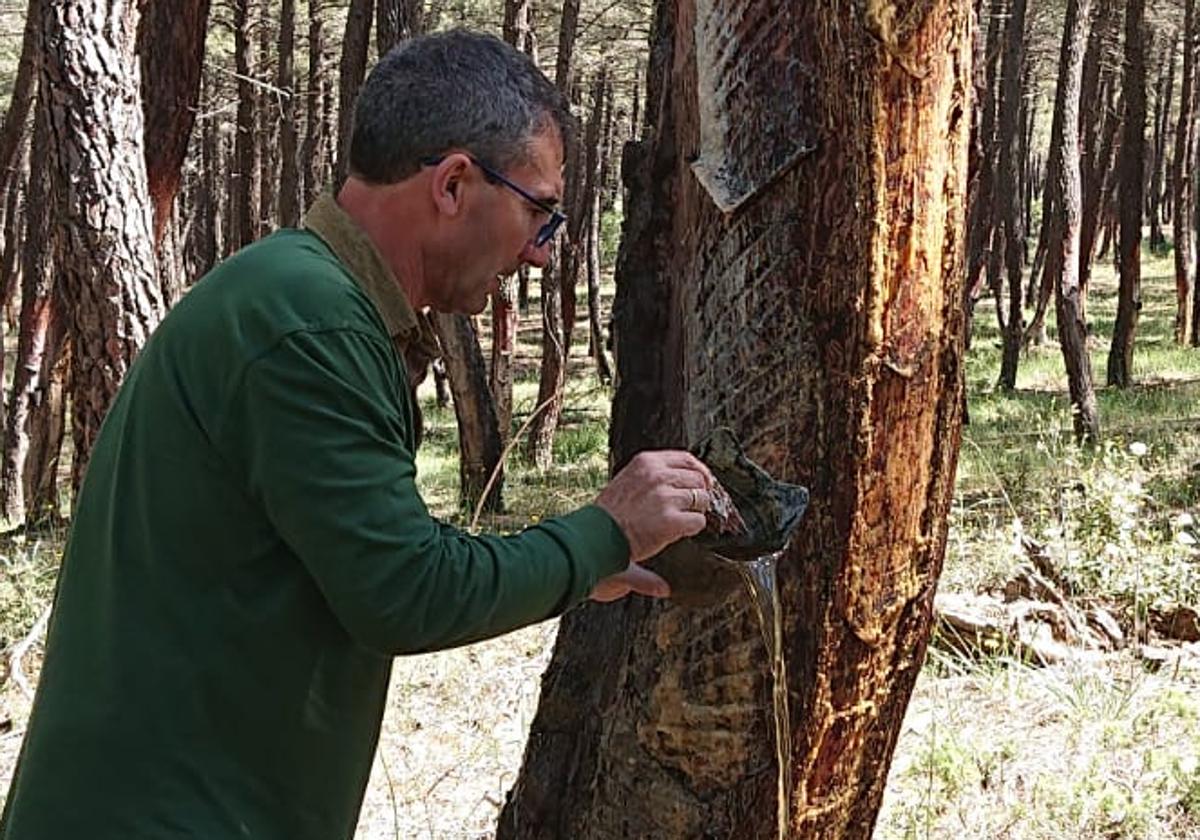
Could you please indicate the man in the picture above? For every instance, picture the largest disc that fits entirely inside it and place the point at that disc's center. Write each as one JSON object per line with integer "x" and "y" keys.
{"x": 249, "y": 549}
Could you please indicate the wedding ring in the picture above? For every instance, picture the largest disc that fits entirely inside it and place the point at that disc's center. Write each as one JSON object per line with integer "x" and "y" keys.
{"x": 694, "y": 504}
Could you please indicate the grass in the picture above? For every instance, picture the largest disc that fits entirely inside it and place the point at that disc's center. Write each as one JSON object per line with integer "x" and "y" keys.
{"x": 1104, "y": 747}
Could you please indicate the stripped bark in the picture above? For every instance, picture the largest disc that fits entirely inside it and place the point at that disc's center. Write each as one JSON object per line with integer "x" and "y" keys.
{"x": 820, "y": 315}
{"x": 100, "y": 207}
{"x": 170, "y": 46}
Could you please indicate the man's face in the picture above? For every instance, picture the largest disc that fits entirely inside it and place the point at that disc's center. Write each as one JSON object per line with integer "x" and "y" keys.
{"x": 497, "y": 235}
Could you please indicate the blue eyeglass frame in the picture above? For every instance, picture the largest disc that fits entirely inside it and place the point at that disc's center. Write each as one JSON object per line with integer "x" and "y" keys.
{"x": 545, "y": 232}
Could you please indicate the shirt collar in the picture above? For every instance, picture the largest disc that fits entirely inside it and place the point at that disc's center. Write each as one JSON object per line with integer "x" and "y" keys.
{"x": 351, "y": 245}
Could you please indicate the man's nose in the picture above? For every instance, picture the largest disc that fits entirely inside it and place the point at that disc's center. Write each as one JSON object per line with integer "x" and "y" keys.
{"x": 534, "y": 255}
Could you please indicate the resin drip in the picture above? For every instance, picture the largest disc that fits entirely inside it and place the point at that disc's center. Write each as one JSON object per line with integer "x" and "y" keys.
{"x": 760, "y": 579}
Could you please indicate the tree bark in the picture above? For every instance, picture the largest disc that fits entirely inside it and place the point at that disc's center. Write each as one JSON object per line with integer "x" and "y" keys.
{"x": 1162, "y": 111}
{"x": 24, "y": 86}
{"x": 594, "y": 139}
{"x": 1182, "y": 177}
{"x": 37, "y": 286}
{"x": 1007, "y": 219}
{"x": 396, "y": 20}
{"x": 478, "y": 433}
{"x": 285, "y": 80}
{"x": 819, "y": 315}
{"x": 562, "y": 270}
{"x": 100, "y": 201}
{"x": 243, "y": 209}
{"x": 268, "y": 113}
{"x": 314, "y": 151}
{"x": 1062, "y": 260}
{"x": 355, "y": 42}
{"x": 1132, "y": 168}
{"x": 979, "y": 212}
{"x": 47, "y": 423}
{"x": 518, "y": 33}
{"x": 170, "y": 45}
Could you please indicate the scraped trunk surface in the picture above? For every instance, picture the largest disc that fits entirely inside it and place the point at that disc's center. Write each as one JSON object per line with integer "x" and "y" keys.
{"x": 100, "y": 201}
{"x": 798, "y": 279}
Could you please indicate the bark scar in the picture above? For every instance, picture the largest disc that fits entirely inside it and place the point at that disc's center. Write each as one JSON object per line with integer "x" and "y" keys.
{"x": 880, "y": 17}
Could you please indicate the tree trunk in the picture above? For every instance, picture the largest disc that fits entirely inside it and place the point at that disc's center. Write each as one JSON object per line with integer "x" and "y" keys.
{"x": 1162, "y": 112}
{"x": 478, "y": 432}
{"x": 556, "y": 325}
{"x": 47, "y": 422}
{"x": 170, "y": 44}
{"x": 594, "y": 139}
{"x": 355, "y": 42}
{"x": 1182, "y": 177}
{"x": 267, "y": 136}
{"x": 243, "y": 204}
{"x": 210, "y": 242}
{"x": 550, "y": 382}
{"x": 518, "y": 33}
{"x": 313, "y": 151}
{"x": 396, "y": 20}
{"x": 1007, "y": 219}
{"x": 285, "y": 80}
{"x": 100, "y": 201}
{"x": 37, "y": 286}
{"x": 21, "y": 100}
{"x": 1062, "y": 260}
{"x": 1099, "y": 125}
{"x": 818, "y": 314}
{"x": 518, "y": 25}
{"x": 979, "y": 213}
{"x": 1132, "y": 168}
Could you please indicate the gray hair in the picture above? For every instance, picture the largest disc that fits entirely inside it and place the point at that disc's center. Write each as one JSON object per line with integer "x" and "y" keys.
{"x": 455, "y": 89}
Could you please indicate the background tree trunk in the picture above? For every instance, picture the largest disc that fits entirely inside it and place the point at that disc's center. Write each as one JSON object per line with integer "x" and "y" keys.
{"x": 556, "y": 325}
{"x": 268, "y": 113}
{"x": 1062, "y": 260}
{"x": 37, "y": 287}
{"x": 518, "y": 32}
{"x": 1162, "y": 112}
{"x": 170, "y": 44}
{"x": 1182, "y": 176}
{"x": 478, "y": 433}
{"x": 285, "y": 80}
{"x": 396, "y": 20}
{"x": 21, "y": 100}
{"x": 355, "y": 42}
{"x": 1132, "y": 167}
{"x": 832, "y": 342}
{"x": 244, "y": 211}
{"x": 1007, "y": 218}
{"x": 100, "y": 201}
{"x": 314, "y": 151}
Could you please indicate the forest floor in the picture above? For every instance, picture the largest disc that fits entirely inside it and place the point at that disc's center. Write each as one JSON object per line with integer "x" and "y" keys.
{"x": 1099, "y": 744}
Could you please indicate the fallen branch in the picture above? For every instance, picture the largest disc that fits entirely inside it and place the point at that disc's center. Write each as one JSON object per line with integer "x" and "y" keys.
{"x": 16, "y": 654}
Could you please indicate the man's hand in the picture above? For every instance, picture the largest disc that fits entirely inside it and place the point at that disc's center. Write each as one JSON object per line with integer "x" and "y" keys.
{"x": 658, "y": 498}
{"x": 633, "y": 579}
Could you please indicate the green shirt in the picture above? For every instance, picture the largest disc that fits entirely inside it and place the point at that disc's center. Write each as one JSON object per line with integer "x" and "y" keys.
{"x": 248, "y": 552}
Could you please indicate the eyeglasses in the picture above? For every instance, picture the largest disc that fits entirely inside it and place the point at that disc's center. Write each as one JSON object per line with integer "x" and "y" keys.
{"x": 545, "y": 232}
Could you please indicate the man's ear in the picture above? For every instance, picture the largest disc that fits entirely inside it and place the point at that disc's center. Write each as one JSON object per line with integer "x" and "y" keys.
{"x": 446, "y": 185}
